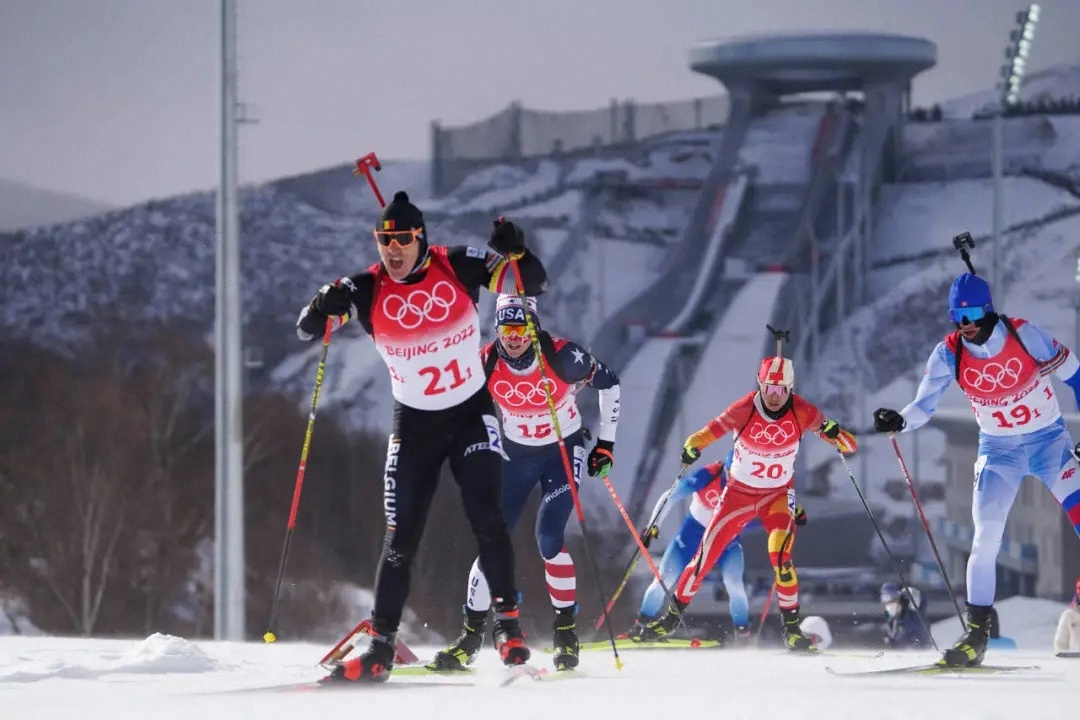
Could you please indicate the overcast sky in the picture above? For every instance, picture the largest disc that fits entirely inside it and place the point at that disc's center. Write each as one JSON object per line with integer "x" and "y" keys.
{"x": 116, "y": 100}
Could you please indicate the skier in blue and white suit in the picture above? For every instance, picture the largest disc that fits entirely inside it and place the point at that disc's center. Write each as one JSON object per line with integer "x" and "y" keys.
{"x": 705, "y": 487}
{"x": 1003, "y": 365}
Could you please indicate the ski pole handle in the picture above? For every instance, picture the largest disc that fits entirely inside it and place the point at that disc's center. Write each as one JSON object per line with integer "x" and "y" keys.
{"x": 365, "y": 166}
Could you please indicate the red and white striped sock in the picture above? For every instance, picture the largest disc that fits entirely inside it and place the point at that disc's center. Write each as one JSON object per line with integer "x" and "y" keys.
{"x": 561, "y": 580}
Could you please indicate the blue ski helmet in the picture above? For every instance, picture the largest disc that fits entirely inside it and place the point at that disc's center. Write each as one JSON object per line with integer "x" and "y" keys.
{"x": 969, "y": 299}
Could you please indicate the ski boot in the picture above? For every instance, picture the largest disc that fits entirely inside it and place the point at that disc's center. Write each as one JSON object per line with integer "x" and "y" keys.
{"x": 637, "y": 632}
{"x": 970, "y": 649}
{"x": 565, "y": 642}
{"x": 792, "y": 634}
{"x": 507, "y": 635}
{"x": 373, "y": 665}
{"x": 660, "y": 629}
{"x": 741, "y": 636}
{"x": 462, "y": 652}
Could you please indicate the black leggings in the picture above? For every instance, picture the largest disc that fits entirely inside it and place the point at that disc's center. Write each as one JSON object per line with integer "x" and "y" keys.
{"x": 420, "y": 442}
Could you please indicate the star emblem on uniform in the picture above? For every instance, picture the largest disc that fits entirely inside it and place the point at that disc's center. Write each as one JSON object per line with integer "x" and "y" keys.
{"x": 579, "y": 356}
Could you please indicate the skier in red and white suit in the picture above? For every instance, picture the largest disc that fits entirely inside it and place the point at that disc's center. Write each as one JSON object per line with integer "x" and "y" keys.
{"x": 419, "y": 305}
{"x": 535, "y": 459}
{"x": 769, "y": 425}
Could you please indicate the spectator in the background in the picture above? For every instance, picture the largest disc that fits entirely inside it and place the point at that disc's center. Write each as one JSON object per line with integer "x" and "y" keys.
{"x": 1067, "y": 637}
{"x": 903, "y": 626}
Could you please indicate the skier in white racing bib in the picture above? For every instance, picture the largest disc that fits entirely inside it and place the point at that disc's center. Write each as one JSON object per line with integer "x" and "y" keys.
{"x": 517, "y": 387}
{"x": 1003, "y": 365}
{"x": 419, "y": 305}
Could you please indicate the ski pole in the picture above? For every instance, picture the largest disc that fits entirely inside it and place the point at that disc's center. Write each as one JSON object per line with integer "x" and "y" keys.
{"x": 926, "y": 527}
{"x": 364, "y": 166}
{"x": 538, "y": 351}
{"x": 892, "y": 559}
{"x": 269, "y": 636}
{"x": 632, "y": 565}
{"x": 644, "y": 552}
{"x": 765, "y": 611}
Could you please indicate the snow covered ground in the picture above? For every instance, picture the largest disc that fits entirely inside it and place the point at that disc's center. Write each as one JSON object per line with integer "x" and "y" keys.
{"x": 170, "y": 678}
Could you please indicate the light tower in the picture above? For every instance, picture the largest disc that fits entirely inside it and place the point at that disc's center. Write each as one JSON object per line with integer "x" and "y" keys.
{"x": 1012, "y": 74}
{"x": 229, "y": 594}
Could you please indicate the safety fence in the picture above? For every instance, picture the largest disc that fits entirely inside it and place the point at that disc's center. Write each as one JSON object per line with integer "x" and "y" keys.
{"x": 518, "y": 133}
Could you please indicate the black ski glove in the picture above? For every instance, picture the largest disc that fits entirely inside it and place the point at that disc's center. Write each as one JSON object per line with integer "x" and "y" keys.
{"x": 690, "y": 455}
{"x": 507, "y": 239}
{"x": 799, "y": 516}
{"x": 886, "y": 420}
{"x": 651, "y": 533}
{"x": 830, "y": 429}
{"x": 601, "y": 458}
{"x": 334, "y": 298}
{"x": 1076, "y": 452}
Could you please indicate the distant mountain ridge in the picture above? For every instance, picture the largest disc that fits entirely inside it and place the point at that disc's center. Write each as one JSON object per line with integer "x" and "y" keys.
{"x": 25, "y": 206}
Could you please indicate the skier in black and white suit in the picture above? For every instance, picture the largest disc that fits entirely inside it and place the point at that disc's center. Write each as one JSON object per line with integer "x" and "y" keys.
{"x": 419, "y": 305}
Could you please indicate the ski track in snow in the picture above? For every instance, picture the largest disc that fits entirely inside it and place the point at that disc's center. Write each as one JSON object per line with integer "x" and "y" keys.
{"x": 169, "y": 678}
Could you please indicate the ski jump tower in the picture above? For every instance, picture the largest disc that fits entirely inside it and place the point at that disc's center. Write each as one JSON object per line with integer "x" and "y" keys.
{"x": 758, "y": 72}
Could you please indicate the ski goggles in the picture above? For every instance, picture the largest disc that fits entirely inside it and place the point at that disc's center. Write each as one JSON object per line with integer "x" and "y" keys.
{"x": 513, "y": 332}
{"x": 403, "y": 238}
{"x": 776, "y": 390}
{"x": 966, "y": 315}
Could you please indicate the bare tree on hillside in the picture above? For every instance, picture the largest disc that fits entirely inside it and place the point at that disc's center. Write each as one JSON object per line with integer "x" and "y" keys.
{"x": 78, "y": 475}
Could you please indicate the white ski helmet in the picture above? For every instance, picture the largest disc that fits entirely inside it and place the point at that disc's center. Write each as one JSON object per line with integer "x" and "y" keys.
{"x": 509, "y": 311}
{"x": 815, "y": 628}
{"x": 776, "y": 370}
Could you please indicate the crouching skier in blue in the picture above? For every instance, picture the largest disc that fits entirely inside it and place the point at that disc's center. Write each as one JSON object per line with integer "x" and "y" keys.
{"x": 1003, "y": 365}
{"x": 704, "y": 486}
{"x": 532, "y": 449}
{"x": 903, "y": 626}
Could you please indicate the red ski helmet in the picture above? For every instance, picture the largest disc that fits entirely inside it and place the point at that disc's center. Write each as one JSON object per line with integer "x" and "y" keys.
{"x": 775, "y": 373}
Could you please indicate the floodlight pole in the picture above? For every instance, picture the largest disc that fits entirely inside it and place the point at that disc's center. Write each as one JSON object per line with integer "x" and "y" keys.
{"x": 1012, "y": 73}
{"x": 229, "y": 594}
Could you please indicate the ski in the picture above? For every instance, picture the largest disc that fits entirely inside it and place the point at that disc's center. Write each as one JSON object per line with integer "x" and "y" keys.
{"x": 412, "y": 673}
{"x": 626, "y": 643}
{"x": 832, "y": 653}
{"x": 421, "y": 670}
{"x": 1068, "y": 655}
{"x": 935, "y": 669}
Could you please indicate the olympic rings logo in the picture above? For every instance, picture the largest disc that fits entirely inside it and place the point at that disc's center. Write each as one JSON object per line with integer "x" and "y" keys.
{"x": 524, "y": 392}
{"x": 773, "y": 433}
{"x": 414, "y": 308}
{"x": 994, "y": 376}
